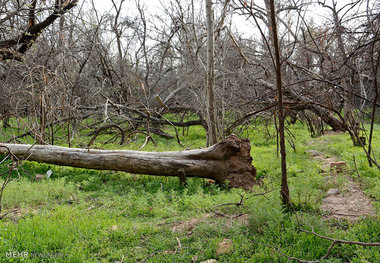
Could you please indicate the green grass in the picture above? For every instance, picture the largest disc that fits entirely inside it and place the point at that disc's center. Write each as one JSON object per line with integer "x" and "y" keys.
{"x": 340, "y": 145}
{"x": 81, "y": 215}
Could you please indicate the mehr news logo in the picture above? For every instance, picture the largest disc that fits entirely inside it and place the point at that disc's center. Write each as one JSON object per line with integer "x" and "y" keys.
{"x": 26, "y": 254}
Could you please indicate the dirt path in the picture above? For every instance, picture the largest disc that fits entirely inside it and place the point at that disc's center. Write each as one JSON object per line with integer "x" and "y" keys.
{"x": 346, "y": 201}
{"x": 351, "y": 204}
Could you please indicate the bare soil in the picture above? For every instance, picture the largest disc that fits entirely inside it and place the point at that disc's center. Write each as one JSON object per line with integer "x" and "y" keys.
{"x": 350, "y": 202}
{"x": 190, "y": 224}
{"x": 187, "y": 225}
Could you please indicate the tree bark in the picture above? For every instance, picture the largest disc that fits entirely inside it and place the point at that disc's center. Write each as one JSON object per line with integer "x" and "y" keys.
{"x": 335, "y": 123}
{"x": 281, "y": 118}
{"x": 306, "y": 103}
{"x": 211, "y": 120}
{"x": 229, "y": 160}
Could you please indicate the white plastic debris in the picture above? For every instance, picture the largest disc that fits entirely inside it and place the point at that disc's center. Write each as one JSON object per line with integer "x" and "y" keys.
{"x": 48, "y": 174}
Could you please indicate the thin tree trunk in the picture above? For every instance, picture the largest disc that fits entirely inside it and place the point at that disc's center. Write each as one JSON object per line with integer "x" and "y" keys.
{"x": 41, "y": 136}
{"x": 373, "y": 114}
{"x": 229, "y": 160}
{"x": 284, "y": 180}
{"x": 375, "y": 69}
{"x": 211, "y": 120}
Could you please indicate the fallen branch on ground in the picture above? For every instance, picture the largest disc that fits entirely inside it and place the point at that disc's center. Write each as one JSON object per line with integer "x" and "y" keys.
{"x": 229, "y": 160}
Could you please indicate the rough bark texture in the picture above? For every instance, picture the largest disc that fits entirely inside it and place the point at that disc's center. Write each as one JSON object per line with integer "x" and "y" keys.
{"x": 229, "y": 160}
{"x": 210, "y": 78}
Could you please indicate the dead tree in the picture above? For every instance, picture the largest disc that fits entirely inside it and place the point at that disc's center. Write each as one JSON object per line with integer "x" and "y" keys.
{"x": 284, "y": 181}
{"x": 228, "y": 161}
{"x": 211, "y": 120}
{"x": 14, "y": 48}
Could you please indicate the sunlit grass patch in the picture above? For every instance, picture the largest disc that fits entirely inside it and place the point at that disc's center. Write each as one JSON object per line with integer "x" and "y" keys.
{"x": 104, "y": 216}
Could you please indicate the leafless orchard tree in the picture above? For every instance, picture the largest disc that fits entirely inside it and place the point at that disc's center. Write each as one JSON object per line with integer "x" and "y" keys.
{"x": 64, "y": 61}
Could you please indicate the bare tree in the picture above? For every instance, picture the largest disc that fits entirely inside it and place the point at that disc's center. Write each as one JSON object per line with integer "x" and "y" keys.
{"x": 129, "y": 69}
{"x": 211, "y": 120}
{"x": 281, "y": 118}
{"x": 14, "y": 47}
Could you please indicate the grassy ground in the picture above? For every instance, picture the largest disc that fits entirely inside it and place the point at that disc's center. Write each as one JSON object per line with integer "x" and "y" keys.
{"x": 83, "y": 215}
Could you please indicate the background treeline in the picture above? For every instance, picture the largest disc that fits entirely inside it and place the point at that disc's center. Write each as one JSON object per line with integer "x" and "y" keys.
{"x": 64, "y": 61}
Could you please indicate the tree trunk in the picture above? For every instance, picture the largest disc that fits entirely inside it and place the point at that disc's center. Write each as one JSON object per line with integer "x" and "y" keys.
{"x": 281, "y": 118}
{"x": 229, "y": 160}
{"x": 306, "y": 103}
{"x": 335, "y": 123}
{"x": 211, "y": 120}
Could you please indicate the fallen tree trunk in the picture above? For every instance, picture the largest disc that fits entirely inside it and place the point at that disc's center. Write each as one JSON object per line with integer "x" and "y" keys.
{"x": 229, "y": 160}
{"x": 318, "y": 109}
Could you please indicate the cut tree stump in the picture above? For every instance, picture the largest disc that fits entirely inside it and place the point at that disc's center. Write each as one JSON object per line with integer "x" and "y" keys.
{"x": 229, "y": 160}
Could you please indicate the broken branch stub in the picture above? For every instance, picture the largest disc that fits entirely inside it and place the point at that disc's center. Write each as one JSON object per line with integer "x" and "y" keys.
{"x": 229, "y": 160}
